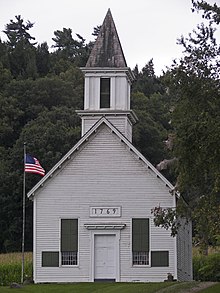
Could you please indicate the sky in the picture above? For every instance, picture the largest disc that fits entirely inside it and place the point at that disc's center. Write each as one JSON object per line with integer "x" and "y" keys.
{"x": 147, "y": 28}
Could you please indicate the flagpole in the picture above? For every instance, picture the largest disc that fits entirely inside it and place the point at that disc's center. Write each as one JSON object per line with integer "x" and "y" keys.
{"x": 23, "y": 219}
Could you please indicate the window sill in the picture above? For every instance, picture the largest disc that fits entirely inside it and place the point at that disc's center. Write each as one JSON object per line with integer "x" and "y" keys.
{"x": 141, "y": 266}
{"x": 69, "y": 266}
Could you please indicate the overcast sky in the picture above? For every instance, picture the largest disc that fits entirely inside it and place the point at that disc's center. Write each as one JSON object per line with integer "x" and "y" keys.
{"x": 147, "y": 28}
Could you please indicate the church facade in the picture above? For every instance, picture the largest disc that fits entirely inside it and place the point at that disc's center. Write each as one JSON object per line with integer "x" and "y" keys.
{"x": 92, "y": 211}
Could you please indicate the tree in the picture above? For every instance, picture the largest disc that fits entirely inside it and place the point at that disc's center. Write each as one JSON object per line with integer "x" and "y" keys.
{"x": 150, "y": 131}
{"x": 146, "y": 80}
{"x": 17, "y": 31}
{"x": 48, "y": 138}
{"x": 43, "y": 59}
{"x": 22, "y": 55}
{"x": 68, "y": 48}
{"x": 195, "y": 80}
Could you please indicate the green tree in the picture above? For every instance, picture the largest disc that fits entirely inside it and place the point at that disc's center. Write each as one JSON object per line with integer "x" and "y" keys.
{"x": 194, "y": 80}
{"x": 17, "y": 31}
{"x": 43, "y": 59}
{"x": 48, "y": 137}
{"x": 146, "y": 80}
{"x": 150, "y": 131}
{"x": 21, "y": 53}
{"x": 71, "y": 49}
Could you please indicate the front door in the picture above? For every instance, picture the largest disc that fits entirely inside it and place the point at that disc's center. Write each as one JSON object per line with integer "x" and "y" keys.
{"x": 105, "y": 257}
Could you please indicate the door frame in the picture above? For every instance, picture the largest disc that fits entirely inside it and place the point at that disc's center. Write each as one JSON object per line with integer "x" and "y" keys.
{"x": 116, "y": 233}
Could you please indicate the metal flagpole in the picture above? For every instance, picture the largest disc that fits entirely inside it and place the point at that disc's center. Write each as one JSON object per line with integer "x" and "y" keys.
{"x": 23, "y": 219}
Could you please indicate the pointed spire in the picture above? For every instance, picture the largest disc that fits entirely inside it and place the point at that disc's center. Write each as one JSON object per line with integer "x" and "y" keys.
{"x": 107, "y": 50}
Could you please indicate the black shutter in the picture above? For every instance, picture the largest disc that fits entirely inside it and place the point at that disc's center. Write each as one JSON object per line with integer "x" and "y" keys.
{"x": 160, "y": 258}
{"x": 69, "y": 235}
{"x": 50, "y": 258}
{"x": 140, "y": 235}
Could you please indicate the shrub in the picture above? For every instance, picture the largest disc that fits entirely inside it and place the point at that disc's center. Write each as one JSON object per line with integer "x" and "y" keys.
{"x": 207, "y": 268}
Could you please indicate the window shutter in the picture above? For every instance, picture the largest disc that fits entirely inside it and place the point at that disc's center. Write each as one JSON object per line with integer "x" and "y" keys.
{"x": 160, "y": 258}
{"x": 50, "y": 258}
{"x": 140, "y": 235}
{"x": 69, "y": 235}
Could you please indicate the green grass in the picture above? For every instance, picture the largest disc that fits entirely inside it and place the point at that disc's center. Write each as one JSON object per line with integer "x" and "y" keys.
{"x": 91, "y": 288}
{"x": 213, "y": 289}
{"x": 112, "y": 288}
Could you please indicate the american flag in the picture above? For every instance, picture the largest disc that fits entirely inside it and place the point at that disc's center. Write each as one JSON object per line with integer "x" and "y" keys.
{"x": 32, "y": 165}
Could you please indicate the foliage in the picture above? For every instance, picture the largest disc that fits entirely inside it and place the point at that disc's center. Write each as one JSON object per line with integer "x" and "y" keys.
{"x": 38, "y": 98}
{"x": 17, "y": 31}
{"x": 69, "y": 48}
{"x": 10, "y": 268}
{"x": 166, "y": 218}
{"x": 207, "y": 268}
{"x": 211, "y": 12}
{"x": 206, "y": 214}
{"x": 194, "y": 81}
{"x": 146, "y": 80}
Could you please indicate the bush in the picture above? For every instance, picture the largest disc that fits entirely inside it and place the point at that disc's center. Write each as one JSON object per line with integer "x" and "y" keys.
{"x": 206, "y": 268}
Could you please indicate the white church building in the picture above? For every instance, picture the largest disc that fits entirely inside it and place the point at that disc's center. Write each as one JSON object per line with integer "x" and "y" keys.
{"x": 92, "y": 216}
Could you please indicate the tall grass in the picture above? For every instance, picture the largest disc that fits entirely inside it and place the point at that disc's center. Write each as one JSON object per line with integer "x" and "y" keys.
{"x": 10, "y": 267}
{"x": 206, "y": 267}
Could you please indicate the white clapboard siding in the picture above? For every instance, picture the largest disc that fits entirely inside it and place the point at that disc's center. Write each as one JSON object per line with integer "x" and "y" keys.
{"x": 122, "y": 123}
{"x": 104, "y": 172}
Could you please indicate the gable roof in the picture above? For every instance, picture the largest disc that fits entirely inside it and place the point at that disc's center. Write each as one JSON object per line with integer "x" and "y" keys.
{"x": 86, "y": 136}
{"x": 107, "y": 50}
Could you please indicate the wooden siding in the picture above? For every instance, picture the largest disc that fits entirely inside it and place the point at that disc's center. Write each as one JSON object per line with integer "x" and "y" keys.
{"x": 184, "y": 251}
{"x": 121, "y": 123}
{"x": 104, "y": 172}
{"x": 120, "y": 91}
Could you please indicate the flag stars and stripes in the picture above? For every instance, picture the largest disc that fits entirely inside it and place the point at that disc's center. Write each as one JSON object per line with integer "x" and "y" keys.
{"x": 32, "y": 165}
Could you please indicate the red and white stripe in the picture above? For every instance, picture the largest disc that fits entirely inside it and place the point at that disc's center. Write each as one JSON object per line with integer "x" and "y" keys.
{"x": 34, "y": 168}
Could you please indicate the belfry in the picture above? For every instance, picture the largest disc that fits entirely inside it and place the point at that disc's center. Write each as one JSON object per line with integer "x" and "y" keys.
{"x": 107, "y": 83}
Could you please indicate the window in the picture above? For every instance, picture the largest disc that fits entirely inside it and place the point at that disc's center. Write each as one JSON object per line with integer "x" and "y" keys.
{"x": 69, "y": 241}
{"x": 105, "y": 93}
{"x": 140, "y": 241}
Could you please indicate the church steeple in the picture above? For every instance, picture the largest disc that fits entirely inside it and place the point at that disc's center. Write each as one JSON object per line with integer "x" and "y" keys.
{"x": 107, "y": 82}
{"x": 107, "y": 50}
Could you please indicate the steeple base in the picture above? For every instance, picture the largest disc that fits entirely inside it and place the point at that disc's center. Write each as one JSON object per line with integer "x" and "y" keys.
{"x": 122, "y": 120}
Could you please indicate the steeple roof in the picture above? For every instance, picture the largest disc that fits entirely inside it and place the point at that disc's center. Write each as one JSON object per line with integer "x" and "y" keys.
{"x": 107, "y": 50}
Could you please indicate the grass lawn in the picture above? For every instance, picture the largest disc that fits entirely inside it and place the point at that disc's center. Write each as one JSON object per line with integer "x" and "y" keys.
{"x": 90, "y": 288}
{"x": 213, "y": 289}
{"x": 109, "y": 288}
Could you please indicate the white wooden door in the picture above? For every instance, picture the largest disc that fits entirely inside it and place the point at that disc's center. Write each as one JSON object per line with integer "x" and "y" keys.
{"x": 104, "y": 257}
